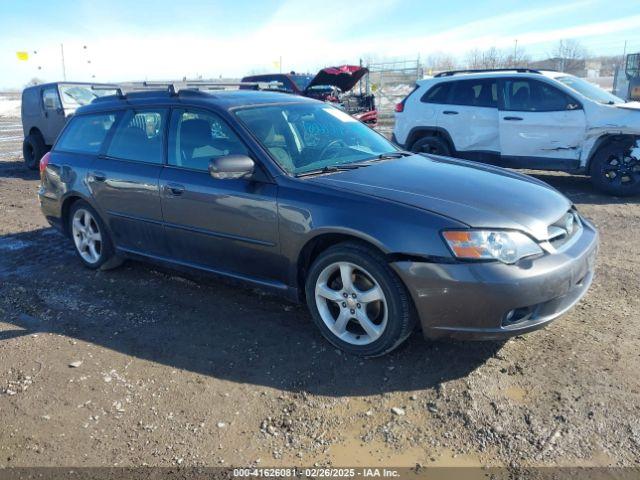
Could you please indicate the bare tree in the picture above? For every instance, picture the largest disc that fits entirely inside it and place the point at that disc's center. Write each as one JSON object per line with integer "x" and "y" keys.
{"x": 485, "y": 59}
{"x": 570, "y": 55}
{"x": 518, "y": 59}
{"x": 439, "y": 62}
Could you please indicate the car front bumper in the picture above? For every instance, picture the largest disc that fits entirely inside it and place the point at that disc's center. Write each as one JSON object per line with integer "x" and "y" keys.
{"x": 484, "y": 301}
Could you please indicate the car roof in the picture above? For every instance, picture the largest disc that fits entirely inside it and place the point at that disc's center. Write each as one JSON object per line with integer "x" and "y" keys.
{"x": 263, "y": 75}
{"x": 493, "y": 74}
{"x": 53, "y": 84}
{"x": 225, "y": 99}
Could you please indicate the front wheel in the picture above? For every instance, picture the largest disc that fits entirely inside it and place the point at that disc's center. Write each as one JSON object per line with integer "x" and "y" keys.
{"x": 90, "y": 238}
{"x": 357, "y": 301}
{"x": 615, "y": 169}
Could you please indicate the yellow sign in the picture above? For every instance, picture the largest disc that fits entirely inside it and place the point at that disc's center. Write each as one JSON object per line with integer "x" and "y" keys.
{"x": 22, "y": 56}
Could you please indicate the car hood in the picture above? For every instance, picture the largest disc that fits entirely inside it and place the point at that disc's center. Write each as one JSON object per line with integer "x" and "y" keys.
{"x": 344, "y": 77}
{"x": 474, "y": 194}
{"x": 629, "y": 105}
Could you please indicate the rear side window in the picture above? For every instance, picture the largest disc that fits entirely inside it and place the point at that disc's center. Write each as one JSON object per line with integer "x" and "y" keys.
{"x": 438, "y": 93}
{"x": 139, "y": 136}
{"x": 475, "y": 93}
{"x": 86, "y": 133}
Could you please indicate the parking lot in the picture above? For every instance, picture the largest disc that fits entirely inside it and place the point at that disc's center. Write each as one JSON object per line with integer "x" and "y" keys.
{"x": 146, "y": 366}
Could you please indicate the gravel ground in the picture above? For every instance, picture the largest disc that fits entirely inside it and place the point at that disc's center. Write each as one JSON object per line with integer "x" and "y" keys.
{"x": 146, "y": 366}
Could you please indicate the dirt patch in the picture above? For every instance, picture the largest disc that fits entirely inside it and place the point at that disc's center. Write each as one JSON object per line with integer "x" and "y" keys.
{"x": 145, "y": 366}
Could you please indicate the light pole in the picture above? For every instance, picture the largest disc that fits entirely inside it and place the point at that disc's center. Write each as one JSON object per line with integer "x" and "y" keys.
{"x": 64, "y": 70}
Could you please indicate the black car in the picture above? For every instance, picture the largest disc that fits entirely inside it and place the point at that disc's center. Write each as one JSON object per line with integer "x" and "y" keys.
{"x": 296, "y": 196}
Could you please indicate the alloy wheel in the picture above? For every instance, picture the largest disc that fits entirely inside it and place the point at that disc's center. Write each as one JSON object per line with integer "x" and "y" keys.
{"x": 621, "y": 170}
{"x": 86, "y": 236}
{"x": 351, "y": 303}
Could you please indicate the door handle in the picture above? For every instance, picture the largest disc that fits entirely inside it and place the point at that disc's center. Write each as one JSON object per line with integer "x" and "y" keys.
{"x": 174, "y": 189}
{"x": 513, "y": 118}
{"x": 450, "y": 112}
{"x": 97, "y": 177}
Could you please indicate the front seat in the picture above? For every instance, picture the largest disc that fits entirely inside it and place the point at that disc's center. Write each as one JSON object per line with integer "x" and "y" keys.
{"x": 263, "y": 129}
{"x": 194, "y": 133}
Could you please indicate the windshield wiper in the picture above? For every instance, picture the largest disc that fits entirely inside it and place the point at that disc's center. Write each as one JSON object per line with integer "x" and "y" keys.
{"x": 332, "y": 168}
{"x": 391, "y": 155}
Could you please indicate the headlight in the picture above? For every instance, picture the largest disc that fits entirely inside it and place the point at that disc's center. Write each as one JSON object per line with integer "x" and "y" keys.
{"x": 508, "y": 247}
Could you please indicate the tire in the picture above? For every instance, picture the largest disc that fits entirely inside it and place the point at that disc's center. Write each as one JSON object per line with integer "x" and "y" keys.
{"x": 391, "y": 318}
{"x": 103, "y": 253}
{"x": 432, "y": 145}
{"x": 33, "y": 148}
{"x": 614, "y": 171}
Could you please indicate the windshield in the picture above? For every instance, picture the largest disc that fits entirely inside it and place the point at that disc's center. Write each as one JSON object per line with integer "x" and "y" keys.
{"x": 82, "y": 94}
{"x": 311, "y": 136}
{"x": 301, "y": 81}
{"x": 589, "y": 90}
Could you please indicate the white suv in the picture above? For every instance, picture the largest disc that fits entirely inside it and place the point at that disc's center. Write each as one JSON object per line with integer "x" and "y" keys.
{"x": 525, "y": 118}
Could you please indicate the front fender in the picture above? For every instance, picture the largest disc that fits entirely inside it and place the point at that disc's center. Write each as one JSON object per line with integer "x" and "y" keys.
{"x": 310, "y": 212}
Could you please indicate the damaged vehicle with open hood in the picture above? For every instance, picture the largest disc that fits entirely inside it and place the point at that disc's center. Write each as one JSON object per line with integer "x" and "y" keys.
{"x": 332, "y": 84}
{"x": 524, "y": 118}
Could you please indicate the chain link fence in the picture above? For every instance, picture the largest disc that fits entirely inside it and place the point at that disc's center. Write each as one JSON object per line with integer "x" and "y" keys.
{"x": 390, "y": 82}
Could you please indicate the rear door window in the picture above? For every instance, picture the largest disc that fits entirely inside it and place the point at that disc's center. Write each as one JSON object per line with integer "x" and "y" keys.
{"x": 86, "y": 133}
{"x": 475, "y": 93}
{"x": 139, "y": 136}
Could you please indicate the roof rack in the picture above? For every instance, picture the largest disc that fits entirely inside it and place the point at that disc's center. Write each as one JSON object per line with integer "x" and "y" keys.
{"x": 219, "y": 85}
{"x": 118, "y": 90}
{"x": 169, "y": 86}
{"x": 148, "y": 88}
{"x": 451, "y": 73}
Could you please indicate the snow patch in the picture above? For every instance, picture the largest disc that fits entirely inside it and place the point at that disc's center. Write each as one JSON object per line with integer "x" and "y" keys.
{"x": 9, "y": 107}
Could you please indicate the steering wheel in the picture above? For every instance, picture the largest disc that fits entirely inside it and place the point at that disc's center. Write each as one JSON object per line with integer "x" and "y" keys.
{"x": 330, "y": 145}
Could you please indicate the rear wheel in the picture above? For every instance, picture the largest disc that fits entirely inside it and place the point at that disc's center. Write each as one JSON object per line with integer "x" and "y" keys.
{"x": 614, "y": 170}
{"x": 431, "y": 145}
{"x": 357, "y": 301}
{"x": 90, "y": 238}
{"x": 33, "y": 148}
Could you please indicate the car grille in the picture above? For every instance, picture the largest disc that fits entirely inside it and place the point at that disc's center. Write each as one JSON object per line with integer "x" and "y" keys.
{"x": 562, "y": 231}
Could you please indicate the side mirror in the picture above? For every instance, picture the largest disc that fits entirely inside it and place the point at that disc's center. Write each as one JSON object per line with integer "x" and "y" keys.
{"x": 231, "y": 167}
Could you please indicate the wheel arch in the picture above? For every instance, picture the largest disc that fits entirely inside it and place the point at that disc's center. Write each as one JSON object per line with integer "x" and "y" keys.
{"x": 324, "y": 240}
{"x": 417, "y": 133}
{"x": 604, "y": 140}
{"x": 36, "y": 131}
{"x": 68, "y": 201}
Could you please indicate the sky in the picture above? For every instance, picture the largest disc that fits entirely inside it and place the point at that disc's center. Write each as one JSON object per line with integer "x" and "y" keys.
{"x": 120, "y": 40}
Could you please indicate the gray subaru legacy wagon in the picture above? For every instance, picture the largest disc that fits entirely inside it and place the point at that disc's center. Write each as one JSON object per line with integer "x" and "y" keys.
{"x": 297, "y": 197}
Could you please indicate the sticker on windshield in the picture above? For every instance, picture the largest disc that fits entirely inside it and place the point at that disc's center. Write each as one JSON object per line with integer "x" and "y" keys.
{"x": 339, "y": 114}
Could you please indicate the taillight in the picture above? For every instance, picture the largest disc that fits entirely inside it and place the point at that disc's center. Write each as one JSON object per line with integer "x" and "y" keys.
{"x": 400, "y": 106}
{"x": 44, "y": 161}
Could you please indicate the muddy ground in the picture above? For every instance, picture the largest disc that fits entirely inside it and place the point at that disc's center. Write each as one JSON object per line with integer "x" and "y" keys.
{"x": 146, "y": 366}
